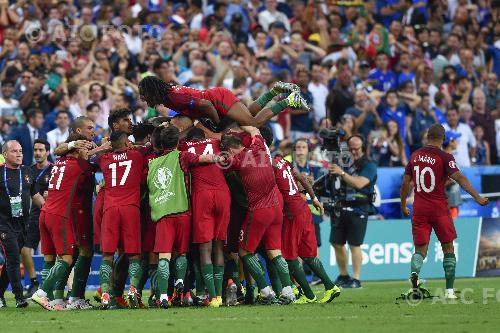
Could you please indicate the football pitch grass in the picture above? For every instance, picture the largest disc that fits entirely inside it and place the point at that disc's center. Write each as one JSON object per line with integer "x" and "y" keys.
{"x": 372, "y": 308}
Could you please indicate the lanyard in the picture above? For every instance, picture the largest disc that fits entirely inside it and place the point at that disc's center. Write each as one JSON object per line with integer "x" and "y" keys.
{"x": 5, "y": 181}
{"x": 43, "y": 171}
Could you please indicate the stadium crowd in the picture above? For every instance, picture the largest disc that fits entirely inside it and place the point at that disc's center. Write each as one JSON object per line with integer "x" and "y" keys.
{"x": 386, "y": 69}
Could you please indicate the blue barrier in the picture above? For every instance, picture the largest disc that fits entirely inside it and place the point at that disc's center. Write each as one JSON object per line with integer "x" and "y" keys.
{"x": 389, "y": 182}
{"x": 388, "y": 249}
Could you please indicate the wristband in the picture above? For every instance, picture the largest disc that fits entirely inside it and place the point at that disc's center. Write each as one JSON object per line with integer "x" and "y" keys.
{"x": 71, "y": 145}
{"x": 342, "y": 174}
{"x": 195, "y": 122}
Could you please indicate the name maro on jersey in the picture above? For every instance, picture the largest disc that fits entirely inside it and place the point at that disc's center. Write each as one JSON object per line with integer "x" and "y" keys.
{"x": 425, "y": 159}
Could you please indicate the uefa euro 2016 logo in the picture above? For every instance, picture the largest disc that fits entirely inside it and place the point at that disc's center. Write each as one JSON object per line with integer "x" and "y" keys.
{"x": 162, "y": 181}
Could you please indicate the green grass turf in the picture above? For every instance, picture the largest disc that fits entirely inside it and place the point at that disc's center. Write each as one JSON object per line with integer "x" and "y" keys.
{"x": 370, "y": 309}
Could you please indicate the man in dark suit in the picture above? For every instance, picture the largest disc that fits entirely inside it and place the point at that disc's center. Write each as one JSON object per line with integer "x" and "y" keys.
{"x": 28, "y": 133}
{"x": 412, "y": 16}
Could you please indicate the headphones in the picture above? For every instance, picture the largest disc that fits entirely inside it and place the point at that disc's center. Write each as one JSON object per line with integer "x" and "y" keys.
{"x": 309, "y": 145}
{"x": 363, "y": 144}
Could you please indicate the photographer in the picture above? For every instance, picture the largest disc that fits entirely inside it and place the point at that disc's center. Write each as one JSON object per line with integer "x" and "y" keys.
{"x": 349, "y": 224}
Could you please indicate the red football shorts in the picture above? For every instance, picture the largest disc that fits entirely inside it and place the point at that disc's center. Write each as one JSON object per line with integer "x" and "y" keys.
{"x": 262, "y": 224}
{"x": 222, "y": 99}
{"x": 422, "y": 226}
{"x": 57, "y": 234}
{"x": 211, "y": 213}
{"x": 83, "y": 227}
{"x": 173, "y": 234}
{"x": 148, "y": 233}
{"x": 299, "y": 237}
{"x": 98, "y": 207}
{"x": 121, "y": 225}
{"x": 238, "y": 215}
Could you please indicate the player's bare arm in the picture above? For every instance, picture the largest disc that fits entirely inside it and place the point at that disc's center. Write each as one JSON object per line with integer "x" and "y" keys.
{"x": 358, "y": 182}
{"x": 208, "y": 133}
{"x": 38, "y": 200}
{"x": 467, "y": 186}
{"x": 66, "y": 147}
{"x": 308, "y": 188}
{"x": 253, "y": 131}
{"x": 405, "y": 189}
{"x": 209, "y": 109}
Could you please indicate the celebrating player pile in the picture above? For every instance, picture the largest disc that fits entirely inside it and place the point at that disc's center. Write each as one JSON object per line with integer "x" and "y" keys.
{"x": 166, "y": 194}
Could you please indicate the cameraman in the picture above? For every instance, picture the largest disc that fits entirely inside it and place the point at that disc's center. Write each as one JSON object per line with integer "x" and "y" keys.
{"x": 358, "y": 182}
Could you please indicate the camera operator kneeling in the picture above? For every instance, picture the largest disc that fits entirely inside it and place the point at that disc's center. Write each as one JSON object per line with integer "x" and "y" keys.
{"x": 359, "y": 181}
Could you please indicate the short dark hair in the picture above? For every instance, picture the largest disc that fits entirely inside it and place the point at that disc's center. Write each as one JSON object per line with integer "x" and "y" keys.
{"x": 116, "y": 115}
{"x": 169, "y": 137}
{"x": 79, "y": 123}
{"x": 267, "y": 134}
{"x": 142, "y": 130}
{"x": 91, "y": 106}
{"x": 63, "y": 111}
{"x": 230, "y": 141}
{"x": 391, "y": 91}
{"x": 8, "y": 82}
{"x": 31, "y": 113}
{"x": 116, "y": 137}
{"x": 195, "y": 133}
{"x": 436, "y": 132}
{"x": 43, "y": 142}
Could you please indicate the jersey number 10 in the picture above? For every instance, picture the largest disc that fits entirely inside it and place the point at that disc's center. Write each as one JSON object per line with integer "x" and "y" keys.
{"x": 420, "y": 179}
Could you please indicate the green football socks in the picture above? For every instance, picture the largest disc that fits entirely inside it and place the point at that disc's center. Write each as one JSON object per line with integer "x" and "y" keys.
{"x": 218, "y": 277}
{"x": 252, "y": 265}
{"x": 105, "y": 272}
{"x": 449, "y": 265}
{"x": 180, "y": 267}
{"x": 282, "y": 270}
{"x": 318, "y": 269}
{"x": 417, "y": 260}
{"x": 163, "y": 275}
{"x": 300, "y": 276}
{"x": 207, "y": 271}
{"x": 81, "y": 273}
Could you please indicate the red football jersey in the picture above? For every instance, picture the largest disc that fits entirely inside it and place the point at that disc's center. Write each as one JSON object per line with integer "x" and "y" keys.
{"x": 68, "y": 176}
{"x": 257, "y": 174}
{"x": 287, "y": 185}
{"x": 429, "y": 168}
{"x": 209, "y": 176}
{"x": 184, "y": 100}
{"x": 123, "y": 174}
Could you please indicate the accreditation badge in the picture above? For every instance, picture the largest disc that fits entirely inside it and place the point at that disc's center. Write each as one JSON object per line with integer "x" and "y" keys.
{"x": 16, "y": 206}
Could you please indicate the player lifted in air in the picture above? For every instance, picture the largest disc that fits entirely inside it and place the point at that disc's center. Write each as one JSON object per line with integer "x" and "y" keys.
{"x": 429, "y": 168}
{"x": 217, "y": 103}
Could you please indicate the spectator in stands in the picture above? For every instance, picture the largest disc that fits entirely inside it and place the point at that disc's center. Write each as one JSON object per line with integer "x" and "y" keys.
{"x": 61, "y": 132}
{"x": 302, "y": 122}
{"x": 364, "y": 111}
{"x": 483, "y": 117}
{"x": 340, "y": 97}
{"x": 482, "y": 148}
{"x": 466, "y": 148}
{"x": 27, "y": 134}
{"x": 492, "y": 92}
{"x": 319, "y": 92}
{"x": 9, "y": 107}
{"x": 422, "y": 118}
{"x": 271, "y": 14}
{"x": 465, "y": 113}
{"x": 385, "y": 79}
{"x": 391, "y": 109}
